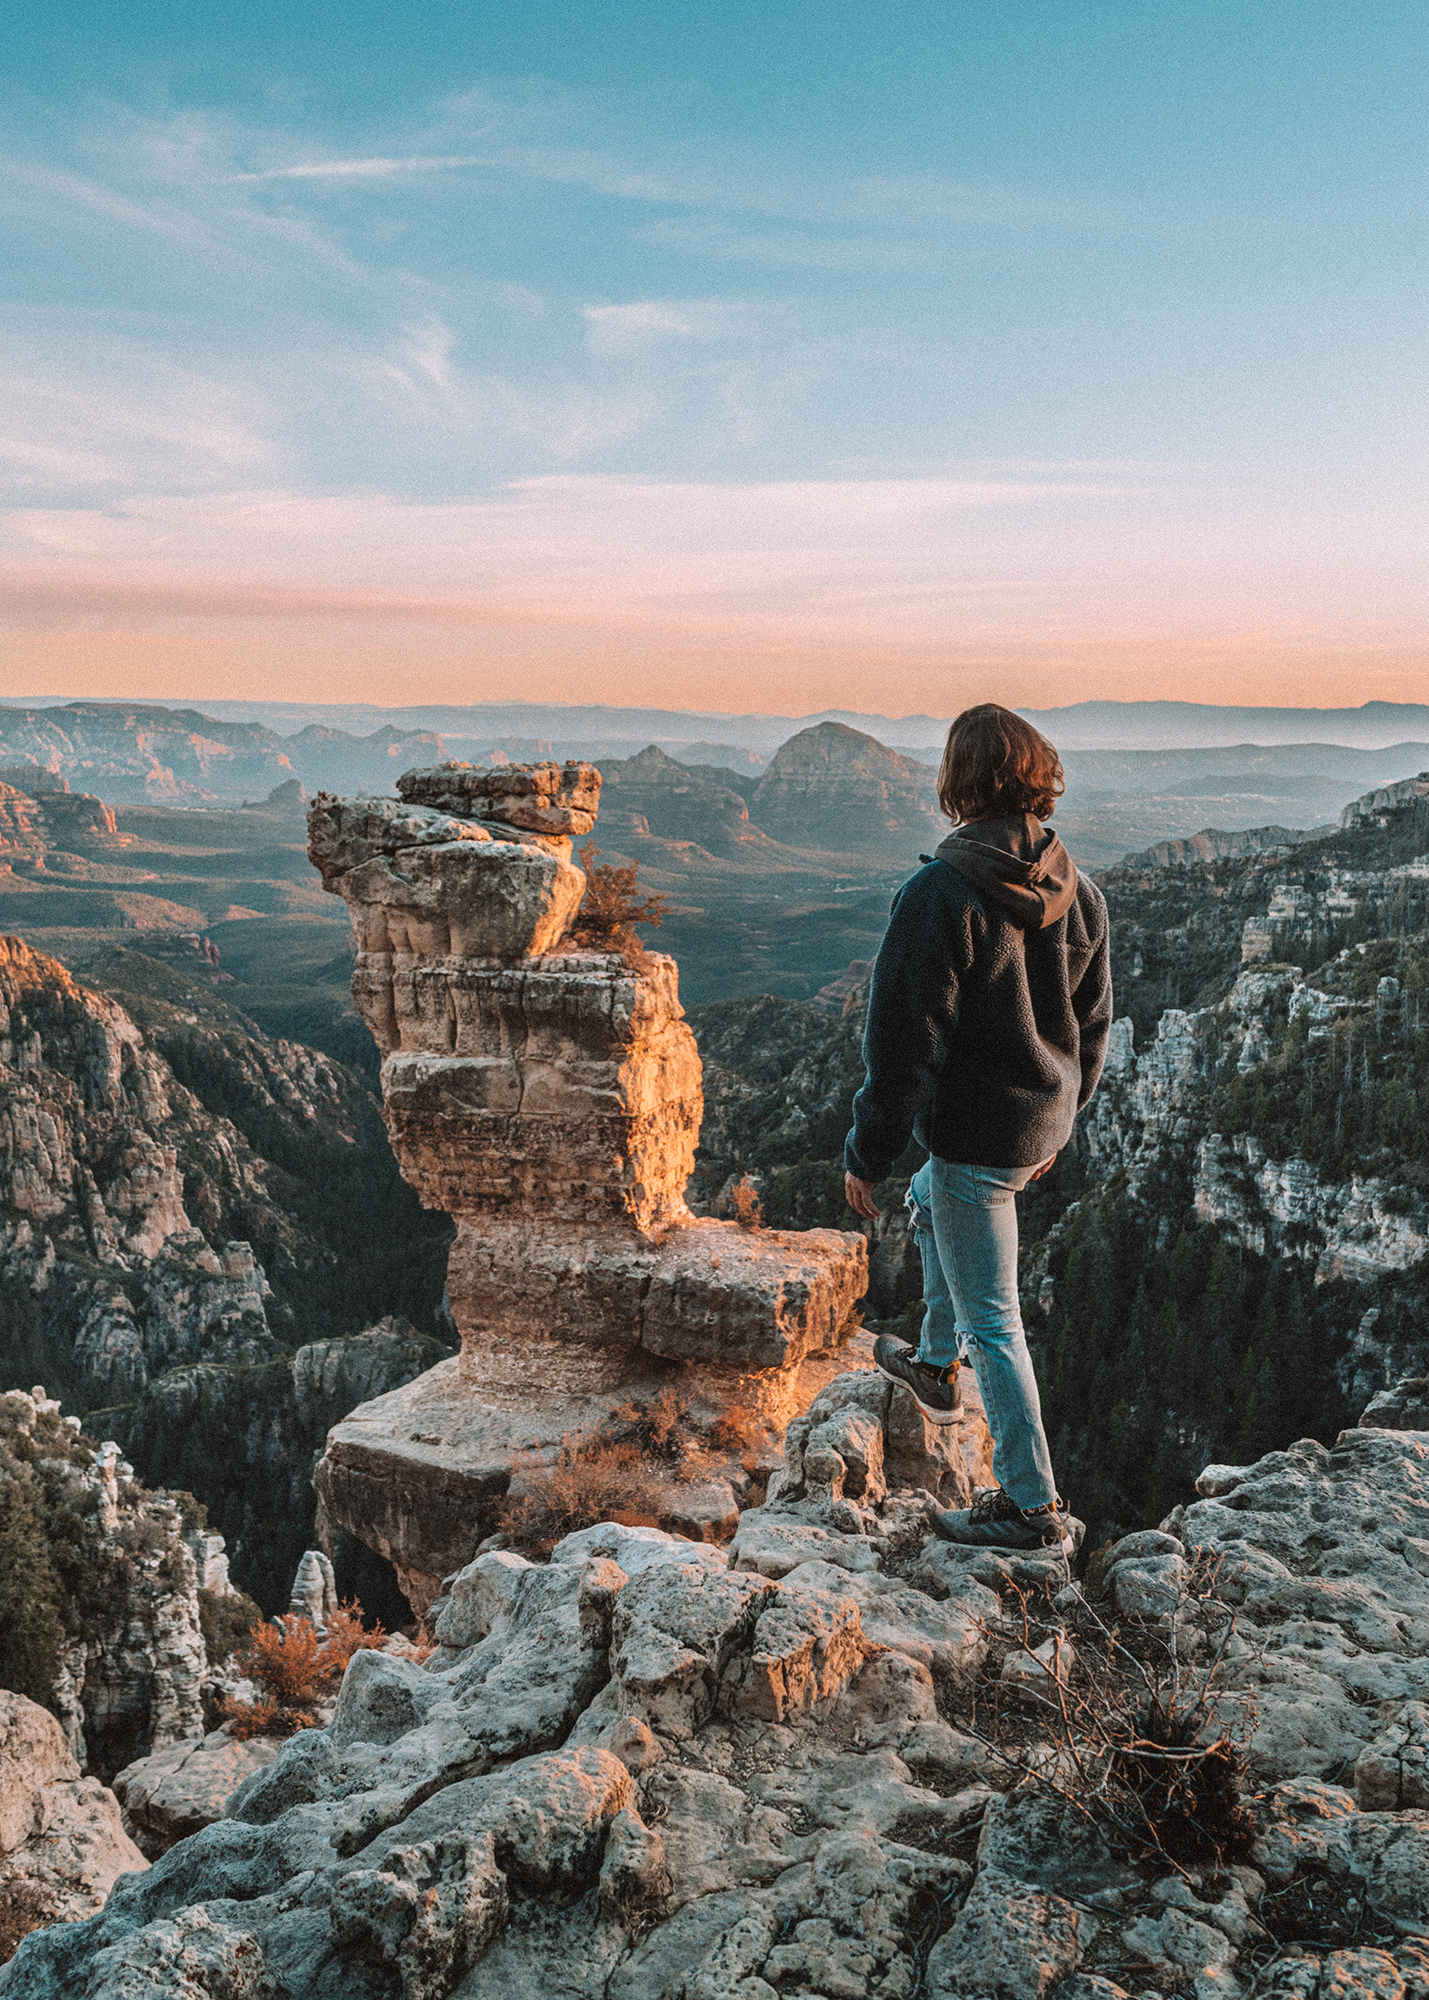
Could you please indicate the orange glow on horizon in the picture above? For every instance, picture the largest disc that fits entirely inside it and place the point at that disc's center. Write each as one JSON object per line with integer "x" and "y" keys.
{"x": 101, "y": 636}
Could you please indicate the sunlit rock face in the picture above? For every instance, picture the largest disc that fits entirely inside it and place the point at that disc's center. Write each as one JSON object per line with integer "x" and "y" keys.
{"x": 547, "y": 1097}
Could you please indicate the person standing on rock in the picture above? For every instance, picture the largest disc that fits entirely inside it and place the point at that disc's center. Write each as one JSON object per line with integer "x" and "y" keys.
{"x": 987, "y": 1028}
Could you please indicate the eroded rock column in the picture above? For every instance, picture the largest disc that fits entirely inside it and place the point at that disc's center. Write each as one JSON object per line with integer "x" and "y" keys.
{"x": 548, "y": 1098}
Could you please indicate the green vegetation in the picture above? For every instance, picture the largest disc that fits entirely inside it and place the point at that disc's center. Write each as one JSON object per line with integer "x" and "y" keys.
{"x": 365, "y": 1246}
{"x": 226, "y": 1622}
{"x": 61, "y": 1581}
{"x": 31, "y": 1602}
{"x": 35, "y": 1346}
{"x": 240, "y": 1438}
{"x": 1356, "y": 1099}
{"x": 1151, "y": 1367}
{"x": 381, "y": 1251}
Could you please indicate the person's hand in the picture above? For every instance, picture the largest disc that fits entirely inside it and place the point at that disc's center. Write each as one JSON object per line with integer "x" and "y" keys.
{"x": 1046, "y": 1167}
{"x": 860, "y": 1196}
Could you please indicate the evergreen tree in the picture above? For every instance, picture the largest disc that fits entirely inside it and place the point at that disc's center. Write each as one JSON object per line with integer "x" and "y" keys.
{"x": 1260, "y": 1424}
{"x": 31, "y": 1631}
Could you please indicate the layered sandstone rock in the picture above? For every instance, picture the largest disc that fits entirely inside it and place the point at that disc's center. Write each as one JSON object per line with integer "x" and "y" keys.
{"x": 548, "y": 1098}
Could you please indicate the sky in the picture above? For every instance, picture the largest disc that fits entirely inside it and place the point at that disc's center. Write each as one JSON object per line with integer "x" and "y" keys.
{"x": 782, "y": 354}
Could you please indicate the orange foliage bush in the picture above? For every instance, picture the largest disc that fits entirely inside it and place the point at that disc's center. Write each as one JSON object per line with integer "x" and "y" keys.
{"x": 285, "y": 1658}
{"x": 744, "y": 1200}
{"x": 346, "y": 1636}
{"x": 294, "y": 1668}
{"x": 263, "y": 1718}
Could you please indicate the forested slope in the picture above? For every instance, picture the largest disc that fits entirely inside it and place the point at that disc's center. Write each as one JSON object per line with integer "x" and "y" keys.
{"x": 180, "y": 1192}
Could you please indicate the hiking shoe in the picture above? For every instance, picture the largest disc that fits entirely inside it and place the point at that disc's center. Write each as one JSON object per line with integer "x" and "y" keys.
{"x": 995, "y": 1521}
{"x": 935, "y": 1390}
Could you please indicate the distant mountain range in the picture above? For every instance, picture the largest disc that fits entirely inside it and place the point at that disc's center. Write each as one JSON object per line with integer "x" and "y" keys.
{"x": 778, "y": 871}
{"x": 853, "y": 802}
{"x": 1086, "y": 725}
{"x": 133, "y": 753}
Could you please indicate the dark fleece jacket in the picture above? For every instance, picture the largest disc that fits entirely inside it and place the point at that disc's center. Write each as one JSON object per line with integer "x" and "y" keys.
{"x": 990, "y": 1008}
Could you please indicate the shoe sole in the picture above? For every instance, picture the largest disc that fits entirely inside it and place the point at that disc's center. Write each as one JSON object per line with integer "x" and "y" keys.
{"x": 939, "y": 1417}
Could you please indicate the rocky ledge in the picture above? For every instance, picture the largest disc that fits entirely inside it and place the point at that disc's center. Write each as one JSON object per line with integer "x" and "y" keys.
{"x": 827, "y": 1760}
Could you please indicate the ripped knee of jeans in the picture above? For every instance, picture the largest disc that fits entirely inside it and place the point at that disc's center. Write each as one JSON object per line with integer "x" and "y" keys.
{"x": 1006, "y": 1331}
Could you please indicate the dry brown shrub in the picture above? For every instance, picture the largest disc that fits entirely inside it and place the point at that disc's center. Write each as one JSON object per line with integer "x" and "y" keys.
{"x": 26, "y": 1905}
{"x": 590, "y": 1480}
{"x": 737, "y": 1430}
{"x": 263, "y": 1718}
{"x": 346, "y": 1636}
{"x": 1130, "y": 1739}
{"x": 657, "y": 1426}
{"x": 744, "y": 1200}
{"x": 612, "y": 906}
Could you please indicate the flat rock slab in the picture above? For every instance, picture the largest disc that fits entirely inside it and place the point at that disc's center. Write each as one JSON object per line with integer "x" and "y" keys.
{"x": 419, "y": 1473}
{"x": 700, "y": 1291}
{"x": 189, "y": 1785}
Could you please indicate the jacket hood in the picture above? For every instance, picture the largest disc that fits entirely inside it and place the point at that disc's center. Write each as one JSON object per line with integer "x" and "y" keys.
{"x": 1019, "y": 864}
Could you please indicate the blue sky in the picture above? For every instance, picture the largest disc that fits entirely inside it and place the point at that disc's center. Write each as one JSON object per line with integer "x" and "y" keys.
{"x": 801, "y": 354}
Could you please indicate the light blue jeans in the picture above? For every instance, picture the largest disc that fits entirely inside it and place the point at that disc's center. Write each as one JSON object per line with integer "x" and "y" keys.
{"x": 965, "y": 1225}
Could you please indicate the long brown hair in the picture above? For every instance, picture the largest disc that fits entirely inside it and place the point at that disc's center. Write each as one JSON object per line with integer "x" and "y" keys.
{"x": 995, "y": 766}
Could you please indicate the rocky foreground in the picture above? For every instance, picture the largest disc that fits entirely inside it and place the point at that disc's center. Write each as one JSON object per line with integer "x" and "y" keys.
{"x": 651, "y": 1769}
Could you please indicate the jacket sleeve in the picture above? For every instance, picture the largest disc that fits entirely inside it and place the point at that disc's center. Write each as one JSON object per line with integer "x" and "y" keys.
{"x": 1092, "y": 1005}
{"x": 912, "y": 1002}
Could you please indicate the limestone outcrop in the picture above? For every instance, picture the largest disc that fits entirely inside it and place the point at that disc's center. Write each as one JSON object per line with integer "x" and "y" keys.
{"x": 92, "y": 1129}
{"x": 1152, "y": 1108}
{"x": 548, "y": 1097}
{"x": 177, "y": 1791}
{"x": 62, "y": 1839}
{"x": 121, "y": 1195}
{"x": 649, "y": 1769}
{"x": 132, "y": 1663}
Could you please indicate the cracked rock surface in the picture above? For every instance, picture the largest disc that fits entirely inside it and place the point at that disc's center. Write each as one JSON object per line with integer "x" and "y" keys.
{"x": 654, "y": 1769}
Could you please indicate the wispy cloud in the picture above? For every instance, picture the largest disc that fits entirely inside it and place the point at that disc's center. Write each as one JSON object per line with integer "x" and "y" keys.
{"x": 378, "y": 168}
{"x": 708, "y": 237}
{"x": 618, "y": 329}
{"x": 429, "y": 349}
{"x": 50, "y": 188}
{"x": 74, "y": 425}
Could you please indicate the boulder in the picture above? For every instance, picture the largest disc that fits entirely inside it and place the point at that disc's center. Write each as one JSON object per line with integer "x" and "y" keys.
{"x": 1320, "y": 1552}
{"x": 63, "y": 1845}
{"x": 640, "y": 1770}
{"x": 176, "y": 1791}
